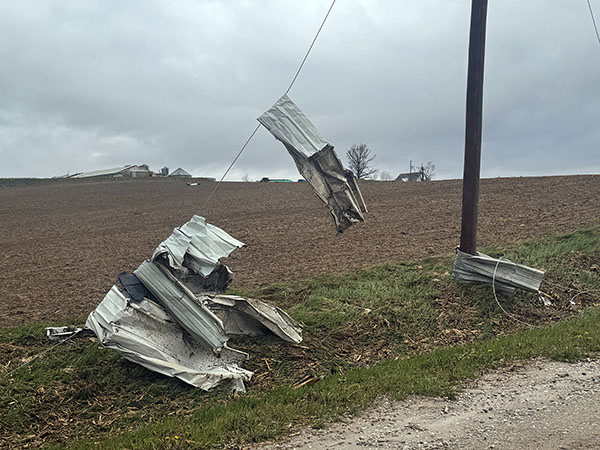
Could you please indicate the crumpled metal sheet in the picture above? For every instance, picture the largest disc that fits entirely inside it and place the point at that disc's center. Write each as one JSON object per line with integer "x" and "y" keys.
{"x": 316, "y": 161}
{"x": 240, "y": 315}
{"x": 508, "y": 276}
{"x": 144, "y": 333}
{"x": 203, "y": 243}
{"x": 167, "y": 323}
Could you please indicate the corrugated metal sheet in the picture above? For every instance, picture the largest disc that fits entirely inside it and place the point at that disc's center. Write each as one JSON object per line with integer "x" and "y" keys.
{"x": 144, "y": 333}
{"x": 203, "y": 242}
{"x": 290, "y": 125}
{"x": 316, "y": 161}
{"x": 181, "y": 304}
{"x": 506, "y": 275}
{"x": 241, "y": 315}
{"x": 152, "y": 334}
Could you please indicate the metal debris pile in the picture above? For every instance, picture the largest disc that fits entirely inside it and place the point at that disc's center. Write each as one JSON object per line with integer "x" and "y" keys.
{"x": 171, "y": 317}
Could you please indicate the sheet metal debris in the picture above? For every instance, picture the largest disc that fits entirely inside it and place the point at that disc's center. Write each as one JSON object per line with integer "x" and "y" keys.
{"x": 316, "y": 161}
{"x": 248, "y": 316}
{"x": 60, "y": 333}
{"x": 203, "y": 244}
{"x": 144, "y": 333}
{"x": 506, "y": 275}
{"x": 169, "y": 317}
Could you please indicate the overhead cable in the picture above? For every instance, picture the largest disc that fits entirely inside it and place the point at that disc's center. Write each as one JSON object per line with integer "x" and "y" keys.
{"x": 286, "y": 92}
{"x": 310, "y": 48}
{"x": 594, "y": 20}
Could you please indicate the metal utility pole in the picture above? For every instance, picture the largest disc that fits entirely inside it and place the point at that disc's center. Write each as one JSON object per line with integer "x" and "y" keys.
{"x": 470, "y": 197}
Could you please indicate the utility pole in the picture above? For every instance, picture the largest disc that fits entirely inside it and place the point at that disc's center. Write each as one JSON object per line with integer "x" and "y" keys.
{"x": 470, "y": 197}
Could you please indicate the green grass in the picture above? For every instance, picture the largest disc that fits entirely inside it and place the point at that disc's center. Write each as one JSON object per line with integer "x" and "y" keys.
{"x": 256, "y": 417}
{"x": 395, "y": 329}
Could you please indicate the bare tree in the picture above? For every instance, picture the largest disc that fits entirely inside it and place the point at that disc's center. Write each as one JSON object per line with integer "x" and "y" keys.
{"x": 360, "y": 159}
{"x": 426, "y": 171}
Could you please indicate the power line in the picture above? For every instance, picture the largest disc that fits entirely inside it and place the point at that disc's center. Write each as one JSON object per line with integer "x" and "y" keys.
{"x": 594, "y": 21}
{"x": 231, "y": 165}
{"x": 310, "y": 48}
{"x": 286, "y": 92}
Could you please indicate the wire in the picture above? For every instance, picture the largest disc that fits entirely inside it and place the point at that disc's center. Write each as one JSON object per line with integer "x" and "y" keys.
{"x": 44, "y": 352}
{"x": 231, "y": 165}
{"x": 310, "y": 48}
{"x": 498, "y": 301}
{"x": 286, "y": 92}
{"x": 594, "y": 21}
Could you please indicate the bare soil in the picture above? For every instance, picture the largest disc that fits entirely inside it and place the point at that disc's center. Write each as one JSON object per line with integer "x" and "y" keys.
{"x": 64, "y": 242}
{"x": 542, "y": 404}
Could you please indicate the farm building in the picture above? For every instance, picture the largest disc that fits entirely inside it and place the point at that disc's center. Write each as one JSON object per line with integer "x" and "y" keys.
{"x": 409, "y": 176}
{"x": 134, "y": 171}
{"x": 180, "y": 173}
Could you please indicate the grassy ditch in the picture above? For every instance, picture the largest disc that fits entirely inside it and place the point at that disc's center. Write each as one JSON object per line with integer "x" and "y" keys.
{"x": 393, "y": 330}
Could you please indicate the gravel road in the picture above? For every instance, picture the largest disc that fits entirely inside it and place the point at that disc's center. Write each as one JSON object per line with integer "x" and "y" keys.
{"x": 541, "y": 405}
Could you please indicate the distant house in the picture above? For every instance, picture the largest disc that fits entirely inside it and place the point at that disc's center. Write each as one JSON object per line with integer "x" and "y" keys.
{"x": 180, "y": 173}
{"x": 409, "y": 176}
{"x": 275, "y": 180}
{"x": 133, "y": 171}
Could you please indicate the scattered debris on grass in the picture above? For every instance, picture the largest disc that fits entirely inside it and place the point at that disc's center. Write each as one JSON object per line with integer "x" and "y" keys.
{"x": 367, "y": 333}
{"x": 58, "y": 333}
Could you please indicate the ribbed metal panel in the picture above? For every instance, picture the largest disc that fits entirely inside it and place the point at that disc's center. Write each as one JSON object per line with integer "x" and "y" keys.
{"x": 194, "y": 318}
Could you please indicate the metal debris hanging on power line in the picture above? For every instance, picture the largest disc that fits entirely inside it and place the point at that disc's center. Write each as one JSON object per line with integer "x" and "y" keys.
{"x": 505, "y": 274}
{"x": 170, "y": 318}
{"x": 316, "y": 161}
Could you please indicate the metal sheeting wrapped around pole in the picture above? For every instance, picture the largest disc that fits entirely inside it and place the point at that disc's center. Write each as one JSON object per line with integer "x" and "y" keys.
{"x": 506, "y": 275}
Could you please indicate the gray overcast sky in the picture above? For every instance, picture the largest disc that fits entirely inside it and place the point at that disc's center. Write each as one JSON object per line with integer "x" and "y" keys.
{"x": 87, "y": 85}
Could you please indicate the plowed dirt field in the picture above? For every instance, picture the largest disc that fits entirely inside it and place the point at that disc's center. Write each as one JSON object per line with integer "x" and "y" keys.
{"x": 64, "y": 243}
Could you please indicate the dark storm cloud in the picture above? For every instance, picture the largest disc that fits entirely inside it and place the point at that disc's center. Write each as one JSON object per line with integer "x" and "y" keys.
{"x": 88, "y": 85}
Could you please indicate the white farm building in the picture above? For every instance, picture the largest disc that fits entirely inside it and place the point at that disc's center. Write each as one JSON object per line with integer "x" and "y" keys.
{"x": 129, "y": 171}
